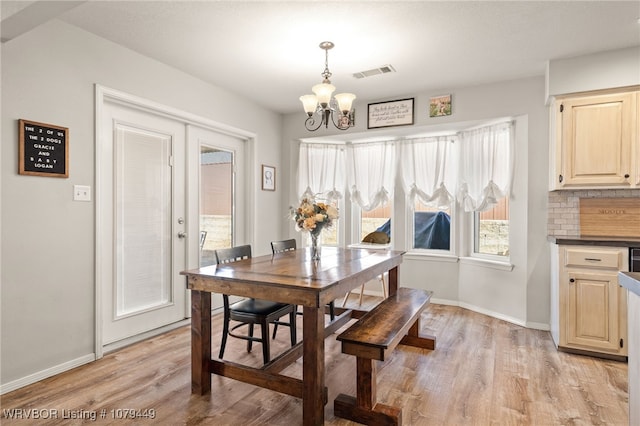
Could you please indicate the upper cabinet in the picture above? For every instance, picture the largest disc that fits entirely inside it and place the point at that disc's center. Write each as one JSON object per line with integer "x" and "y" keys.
{"x": 596, "y": 141}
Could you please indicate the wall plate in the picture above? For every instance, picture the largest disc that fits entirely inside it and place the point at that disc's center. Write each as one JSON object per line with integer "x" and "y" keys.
{"x": 81, "y": 193}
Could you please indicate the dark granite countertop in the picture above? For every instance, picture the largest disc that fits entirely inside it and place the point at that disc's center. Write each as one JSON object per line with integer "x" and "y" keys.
{"x": 630, "y": 281}
{"x": 595, "y": 241}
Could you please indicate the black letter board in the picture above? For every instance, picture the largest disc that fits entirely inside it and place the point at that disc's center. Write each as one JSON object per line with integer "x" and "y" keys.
{"x": 44, "y": 149}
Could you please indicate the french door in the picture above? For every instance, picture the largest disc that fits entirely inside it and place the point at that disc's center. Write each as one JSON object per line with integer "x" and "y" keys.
{"x": 141, "y": 221}
{"x": 222, "y": 192}
{"x": 149, "y": 214}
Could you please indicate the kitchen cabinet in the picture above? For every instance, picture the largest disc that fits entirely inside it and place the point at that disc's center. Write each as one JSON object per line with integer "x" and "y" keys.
{"x": 596, "y": 141}
{"x": 592, "y": 305}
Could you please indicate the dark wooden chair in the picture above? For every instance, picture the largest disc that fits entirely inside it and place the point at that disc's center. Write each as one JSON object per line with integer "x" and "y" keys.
{"x": 284, "y": 245}
{"x": 289, "y": 245}
{"x": 252, "y": 311}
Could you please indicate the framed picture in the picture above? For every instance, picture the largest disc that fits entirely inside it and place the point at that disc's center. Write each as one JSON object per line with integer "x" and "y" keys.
{"x": 439, "y": 106}
{"x": 390, "y": 113}
{"x": 43, "y": 149}
{"x": 268, "y": 178}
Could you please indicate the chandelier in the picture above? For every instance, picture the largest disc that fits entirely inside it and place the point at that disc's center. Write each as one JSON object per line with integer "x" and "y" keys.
{"x": 321, "y": 107}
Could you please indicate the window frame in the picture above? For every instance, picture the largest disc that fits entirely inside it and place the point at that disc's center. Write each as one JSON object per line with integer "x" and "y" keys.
{"x": 474, "y": 237}
{"x": 410, "y": 228}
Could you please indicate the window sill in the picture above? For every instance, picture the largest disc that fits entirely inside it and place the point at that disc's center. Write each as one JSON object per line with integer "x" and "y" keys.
{"x": 486, "y": 263}
{"x": 431, "y": 257}
{"x": 370, "y": 246}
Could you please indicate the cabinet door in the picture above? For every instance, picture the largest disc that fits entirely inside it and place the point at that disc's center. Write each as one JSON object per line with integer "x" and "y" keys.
{"x": 593, "y": 311}
{"x": 597, "y": 134}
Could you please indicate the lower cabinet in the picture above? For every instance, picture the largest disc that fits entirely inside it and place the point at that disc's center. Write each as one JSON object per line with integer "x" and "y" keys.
{"x": 593, "y": 306}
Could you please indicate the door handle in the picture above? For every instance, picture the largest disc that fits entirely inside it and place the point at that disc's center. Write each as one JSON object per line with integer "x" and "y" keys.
{"x": 182, "y": 234}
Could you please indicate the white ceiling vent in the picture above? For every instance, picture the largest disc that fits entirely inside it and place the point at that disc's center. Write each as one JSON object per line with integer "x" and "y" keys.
{"x": 368, "y": 73}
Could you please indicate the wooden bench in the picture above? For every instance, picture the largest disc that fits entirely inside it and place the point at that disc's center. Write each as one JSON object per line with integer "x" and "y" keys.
{"x": 394, "y": 321}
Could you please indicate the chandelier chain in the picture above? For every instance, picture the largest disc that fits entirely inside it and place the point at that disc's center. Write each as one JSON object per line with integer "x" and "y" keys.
{"x": 326, "y": 74}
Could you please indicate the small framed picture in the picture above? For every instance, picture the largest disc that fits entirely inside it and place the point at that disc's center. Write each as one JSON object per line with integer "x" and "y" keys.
{"x": 439, "y": 106}
{"x": 268, "y": 178}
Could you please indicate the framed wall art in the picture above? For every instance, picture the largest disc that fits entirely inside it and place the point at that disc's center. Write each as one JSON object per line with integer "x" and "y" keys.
{"x": 268, "y": 178}
{"x": 439, "y": 106}
{"x": 43, "y": 149}
{"x": 390, "y": 113}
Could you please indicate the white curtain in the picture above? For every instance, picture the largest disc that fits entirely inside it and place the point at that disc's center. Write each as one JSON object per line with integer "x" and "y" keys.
{"x": 429, "y": 170}
{"x": 486, "y": 166}
{"x": 370, "y": 173}
{"x": 321, "y": 169}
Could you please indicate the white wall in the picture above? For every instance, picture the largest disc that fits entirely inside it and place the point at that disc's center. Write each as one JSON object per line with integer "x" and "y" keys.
{"x": 520, "y": 295}
{"x": 604, "y": 70}
{"x": 48, "y": 75}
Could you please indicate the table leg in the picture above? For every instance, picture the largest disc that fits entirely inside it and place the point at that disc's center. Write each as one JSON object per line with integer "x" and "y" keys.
{"x": 200, "y": 342}
{"x": 313, "y": 366}
{"x": 393, "y": 281}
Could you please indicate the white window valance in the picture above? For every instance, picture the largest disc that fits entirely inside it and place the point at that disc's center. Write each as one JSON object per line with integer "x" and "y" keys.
{"x": 321, "y": 171}
{"x": 474, "y": 167}
{"x": 429, "y": 172}
{"x": 371, "y": 173}
{"x": 486, "y": 166}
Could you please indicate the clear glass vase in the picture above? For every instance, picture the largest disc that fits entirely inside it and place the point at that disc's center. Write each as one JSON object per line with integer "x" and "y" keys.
{"x": 315, "y": 245}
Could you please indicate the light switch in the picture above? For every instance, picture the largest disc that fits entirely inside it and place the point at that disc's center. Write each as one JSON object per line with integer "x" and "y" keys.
{"x": 81, "y": 193}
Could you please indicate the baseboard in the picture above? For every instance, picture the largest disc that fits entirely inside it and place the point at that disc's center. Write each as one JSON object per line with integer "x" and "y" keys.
{"x": 376, "y": 293}
{"x": 445, "y": 302}
{"x": 497, "y": 315}
{"x": 538, "y": 326}
{"x": 493, "y": 314}
{"x": 45, "y": 374}
{"x": 516, "y": 321}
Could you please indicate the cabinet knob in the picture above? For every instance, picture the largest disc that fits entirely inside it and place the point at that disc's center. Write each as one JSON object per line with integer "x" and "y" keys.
{"x": 560, "y": 178}
{"x": 572, "y": 280}
{"x": 626, "y": 176}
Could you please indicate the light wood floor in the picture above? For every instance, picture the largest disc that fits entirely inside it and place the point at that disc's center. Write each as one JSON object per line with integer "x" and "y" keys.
{"x": 483, "y": 372}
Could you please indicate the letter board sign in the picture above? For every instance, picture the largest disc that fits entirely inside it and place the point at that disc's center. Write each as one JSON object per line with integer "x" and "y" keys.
{"x": 44, "y": 149}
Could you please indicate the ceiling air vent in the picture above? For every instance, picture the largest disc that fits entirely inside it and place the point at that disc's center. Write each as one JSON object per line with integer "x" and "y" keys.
{"x": 368, "y": 73}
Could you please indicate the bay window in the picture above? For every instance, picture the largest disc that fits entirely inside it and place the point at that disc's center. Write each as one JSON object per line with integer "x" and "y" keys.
{"x": 466, "y": 173}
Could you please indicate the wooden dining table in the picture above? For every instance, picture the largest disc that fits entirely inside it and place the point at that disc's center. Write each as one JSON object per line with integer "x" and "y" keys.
{"x": 288, "y": 277}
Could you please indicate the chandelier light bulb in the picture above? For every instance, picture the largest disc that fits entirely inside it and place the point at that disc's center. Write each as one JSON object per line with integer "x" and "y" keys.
{"x": 309, "y": 103}
{"x": 345, "y": 100}
{"x": 323, "y": 91}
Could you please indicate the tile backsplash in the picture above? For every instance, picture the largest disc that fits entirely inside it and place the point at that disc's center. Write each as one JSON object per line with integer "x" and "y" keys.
{"x": 564, "y": 208}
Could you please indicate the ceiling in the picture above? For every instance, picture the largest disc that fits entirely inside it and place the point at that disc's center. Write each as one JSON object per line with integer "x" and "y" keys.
{"x": 268, "y": 51}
